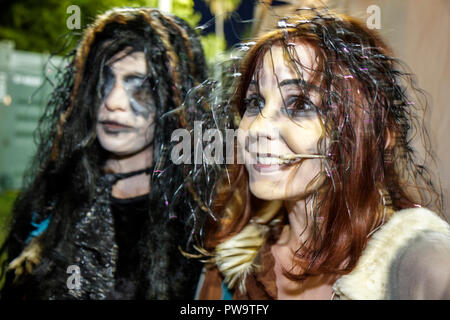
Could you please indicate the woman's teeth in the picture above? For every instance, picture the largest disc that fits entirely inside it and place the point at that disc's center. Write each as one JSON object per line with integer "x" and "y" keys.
{"x": 271, "y": 160}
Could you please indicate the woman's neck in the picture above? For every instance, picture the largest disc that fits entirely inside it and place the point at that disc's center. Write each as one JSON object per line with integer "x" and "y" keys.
{"x": 300, "y": 223}
{"x": 292, "y": 237}
{"x": 136, "y": 185}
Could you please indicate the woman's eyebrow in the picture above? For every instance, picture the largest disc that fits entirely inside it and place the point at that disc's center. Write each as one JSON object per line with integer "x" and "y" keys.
{"x": 289, "y": 82}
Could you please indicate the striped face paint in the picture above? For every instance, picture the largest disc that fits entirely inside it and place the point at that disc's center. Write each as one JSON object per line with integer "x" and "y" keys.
{"x": 126, "y": 116}
{"x": 137, "y": 88}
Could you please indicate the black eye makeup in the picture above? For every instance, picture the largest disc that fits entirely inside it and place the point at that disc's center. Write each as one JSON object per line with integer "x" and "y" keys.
{"x": 137, "y": 88}
{"x": 296, "y": 103}
{"x": 139, "y": 92}
{"x": 297, "y": 106}
{"x": 253, "y": 104}
{"x": 109, "y": 80}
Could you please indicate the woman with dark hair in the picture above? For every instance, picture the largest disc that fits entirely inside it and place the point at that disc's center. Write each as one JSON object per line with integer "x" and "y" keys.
{"x": 327, "y": 198}
{"x": 106, "y": 214}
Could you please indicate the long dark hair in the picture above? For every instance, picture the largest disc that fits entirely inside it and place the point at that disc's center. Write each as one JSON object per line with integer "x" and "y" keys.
{"x": 68, "y": 163}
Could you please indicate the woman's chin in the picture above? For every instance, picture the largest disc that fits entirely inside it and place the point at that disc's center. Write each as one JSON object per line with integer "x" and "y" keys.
{"x": 276, "y": 193}
{"x": 265, "y": 193}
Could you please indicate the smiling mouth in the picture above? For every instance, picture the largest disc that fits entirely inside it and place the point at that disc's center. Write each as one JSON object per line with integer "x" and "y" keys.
{"x": 269, "y": 163}
{"x": 115, "y": 127}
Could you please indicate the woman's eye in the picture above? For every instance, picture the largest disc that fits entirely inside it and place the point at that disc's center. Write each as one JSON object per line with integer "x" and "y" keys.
{"x": 253, "y": 105}
{"x": 292, "y": 101}
{"x": 297, "y": 106}
{"x": 136, "y": 82}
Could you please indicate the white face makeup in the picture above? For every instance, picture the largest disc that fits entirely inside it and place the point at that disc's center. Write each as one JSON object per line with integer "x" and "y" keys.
{"x": 126, "y": 115}
{"x": 275, "y": 125}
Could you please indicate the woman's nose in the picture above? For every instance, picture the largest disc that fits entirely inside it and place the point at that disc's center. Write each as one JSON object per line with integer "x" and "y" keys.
{"x": 265, "y": 125}
{"x": 263, "y": 132}
{"x": 117, "y": 99}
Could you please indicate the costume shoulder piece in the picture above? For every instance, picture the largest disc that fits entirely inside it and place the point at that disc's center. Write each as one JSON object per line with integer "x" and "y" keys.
{"x": 369, "y": 279}
{"x": 236, "y": 257}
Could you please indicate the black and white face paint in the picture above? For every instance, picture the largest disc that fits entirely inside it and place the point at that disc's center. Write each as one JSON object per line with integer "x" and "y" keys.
{"x": 126, "y": 116}
{"x": 137, "y": 88}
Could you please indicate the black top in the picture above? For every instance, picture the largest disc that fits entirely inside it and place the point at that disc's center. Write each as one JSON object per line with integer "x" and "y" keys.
{"x": 130, "y": 217}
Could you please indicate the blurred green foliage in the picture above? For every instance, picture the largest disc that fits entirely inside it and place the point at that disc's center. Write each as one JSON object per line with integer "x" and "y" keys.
{"x": 41, "y": 26}
{"x": 211, "y": 46}
{"x": 7, "y": 199}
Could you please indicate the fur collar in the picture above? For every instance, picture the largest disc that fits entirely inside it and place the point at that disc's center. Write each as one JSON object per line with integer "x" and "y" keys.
{"x": 236, "y": 257}
{"x": 368, "y": 280}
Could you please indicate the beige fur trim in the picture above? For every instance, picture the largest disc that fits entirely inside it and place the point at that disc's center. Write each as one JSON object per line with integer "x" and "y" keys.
{"x": 368, "y": 280}
{"x": 235, "y": 258}
{"x": 27, "y": 260}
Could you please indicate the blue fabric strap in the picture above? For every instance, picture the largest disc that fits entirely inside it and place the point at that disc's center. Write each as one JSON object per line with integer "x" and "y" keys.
{"x": 39, "y": 227}
{"x": 226, "y": 294}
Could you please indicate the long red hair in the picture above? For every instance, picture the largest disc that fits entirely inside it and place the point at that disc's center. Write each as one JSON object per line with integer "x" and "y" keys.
{"x": 371, "y": 169}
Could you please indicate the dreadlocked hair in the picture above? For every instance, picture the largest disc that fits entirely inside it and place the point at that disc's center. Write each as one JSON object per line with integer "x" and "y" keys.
{"x": 69, "y": 158}
{"x": 372, "y": 113}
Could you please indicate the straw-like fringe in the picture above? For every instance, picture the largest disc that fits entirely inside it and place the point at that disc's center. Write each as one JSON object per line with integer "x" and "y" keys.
{"x": 28, "y": 259}
{"x": 235, "y": 258}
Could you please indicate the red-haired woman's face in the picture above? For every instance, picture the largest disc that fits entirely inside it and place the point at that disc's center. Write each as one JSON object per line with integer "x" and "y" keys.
{"x": 274, "y": 125}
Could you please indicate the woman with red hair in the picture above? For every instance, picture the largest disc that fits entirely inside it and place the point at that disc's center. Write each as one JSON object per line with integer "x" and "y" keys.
{"x": 327, "y": 198}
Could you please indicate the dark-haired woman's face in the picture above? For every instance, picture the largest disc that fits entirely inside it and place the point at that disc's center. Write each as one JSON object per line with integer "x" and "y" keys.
{"x": 279, "y": 120}
{"x": 126, "y": 115}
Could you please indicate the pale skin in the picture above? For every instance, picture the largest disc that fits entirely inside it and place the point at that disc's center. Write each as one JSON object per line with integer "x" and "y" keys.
{"x": 126, "y": 134}
{"x": 271, "y": 132}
